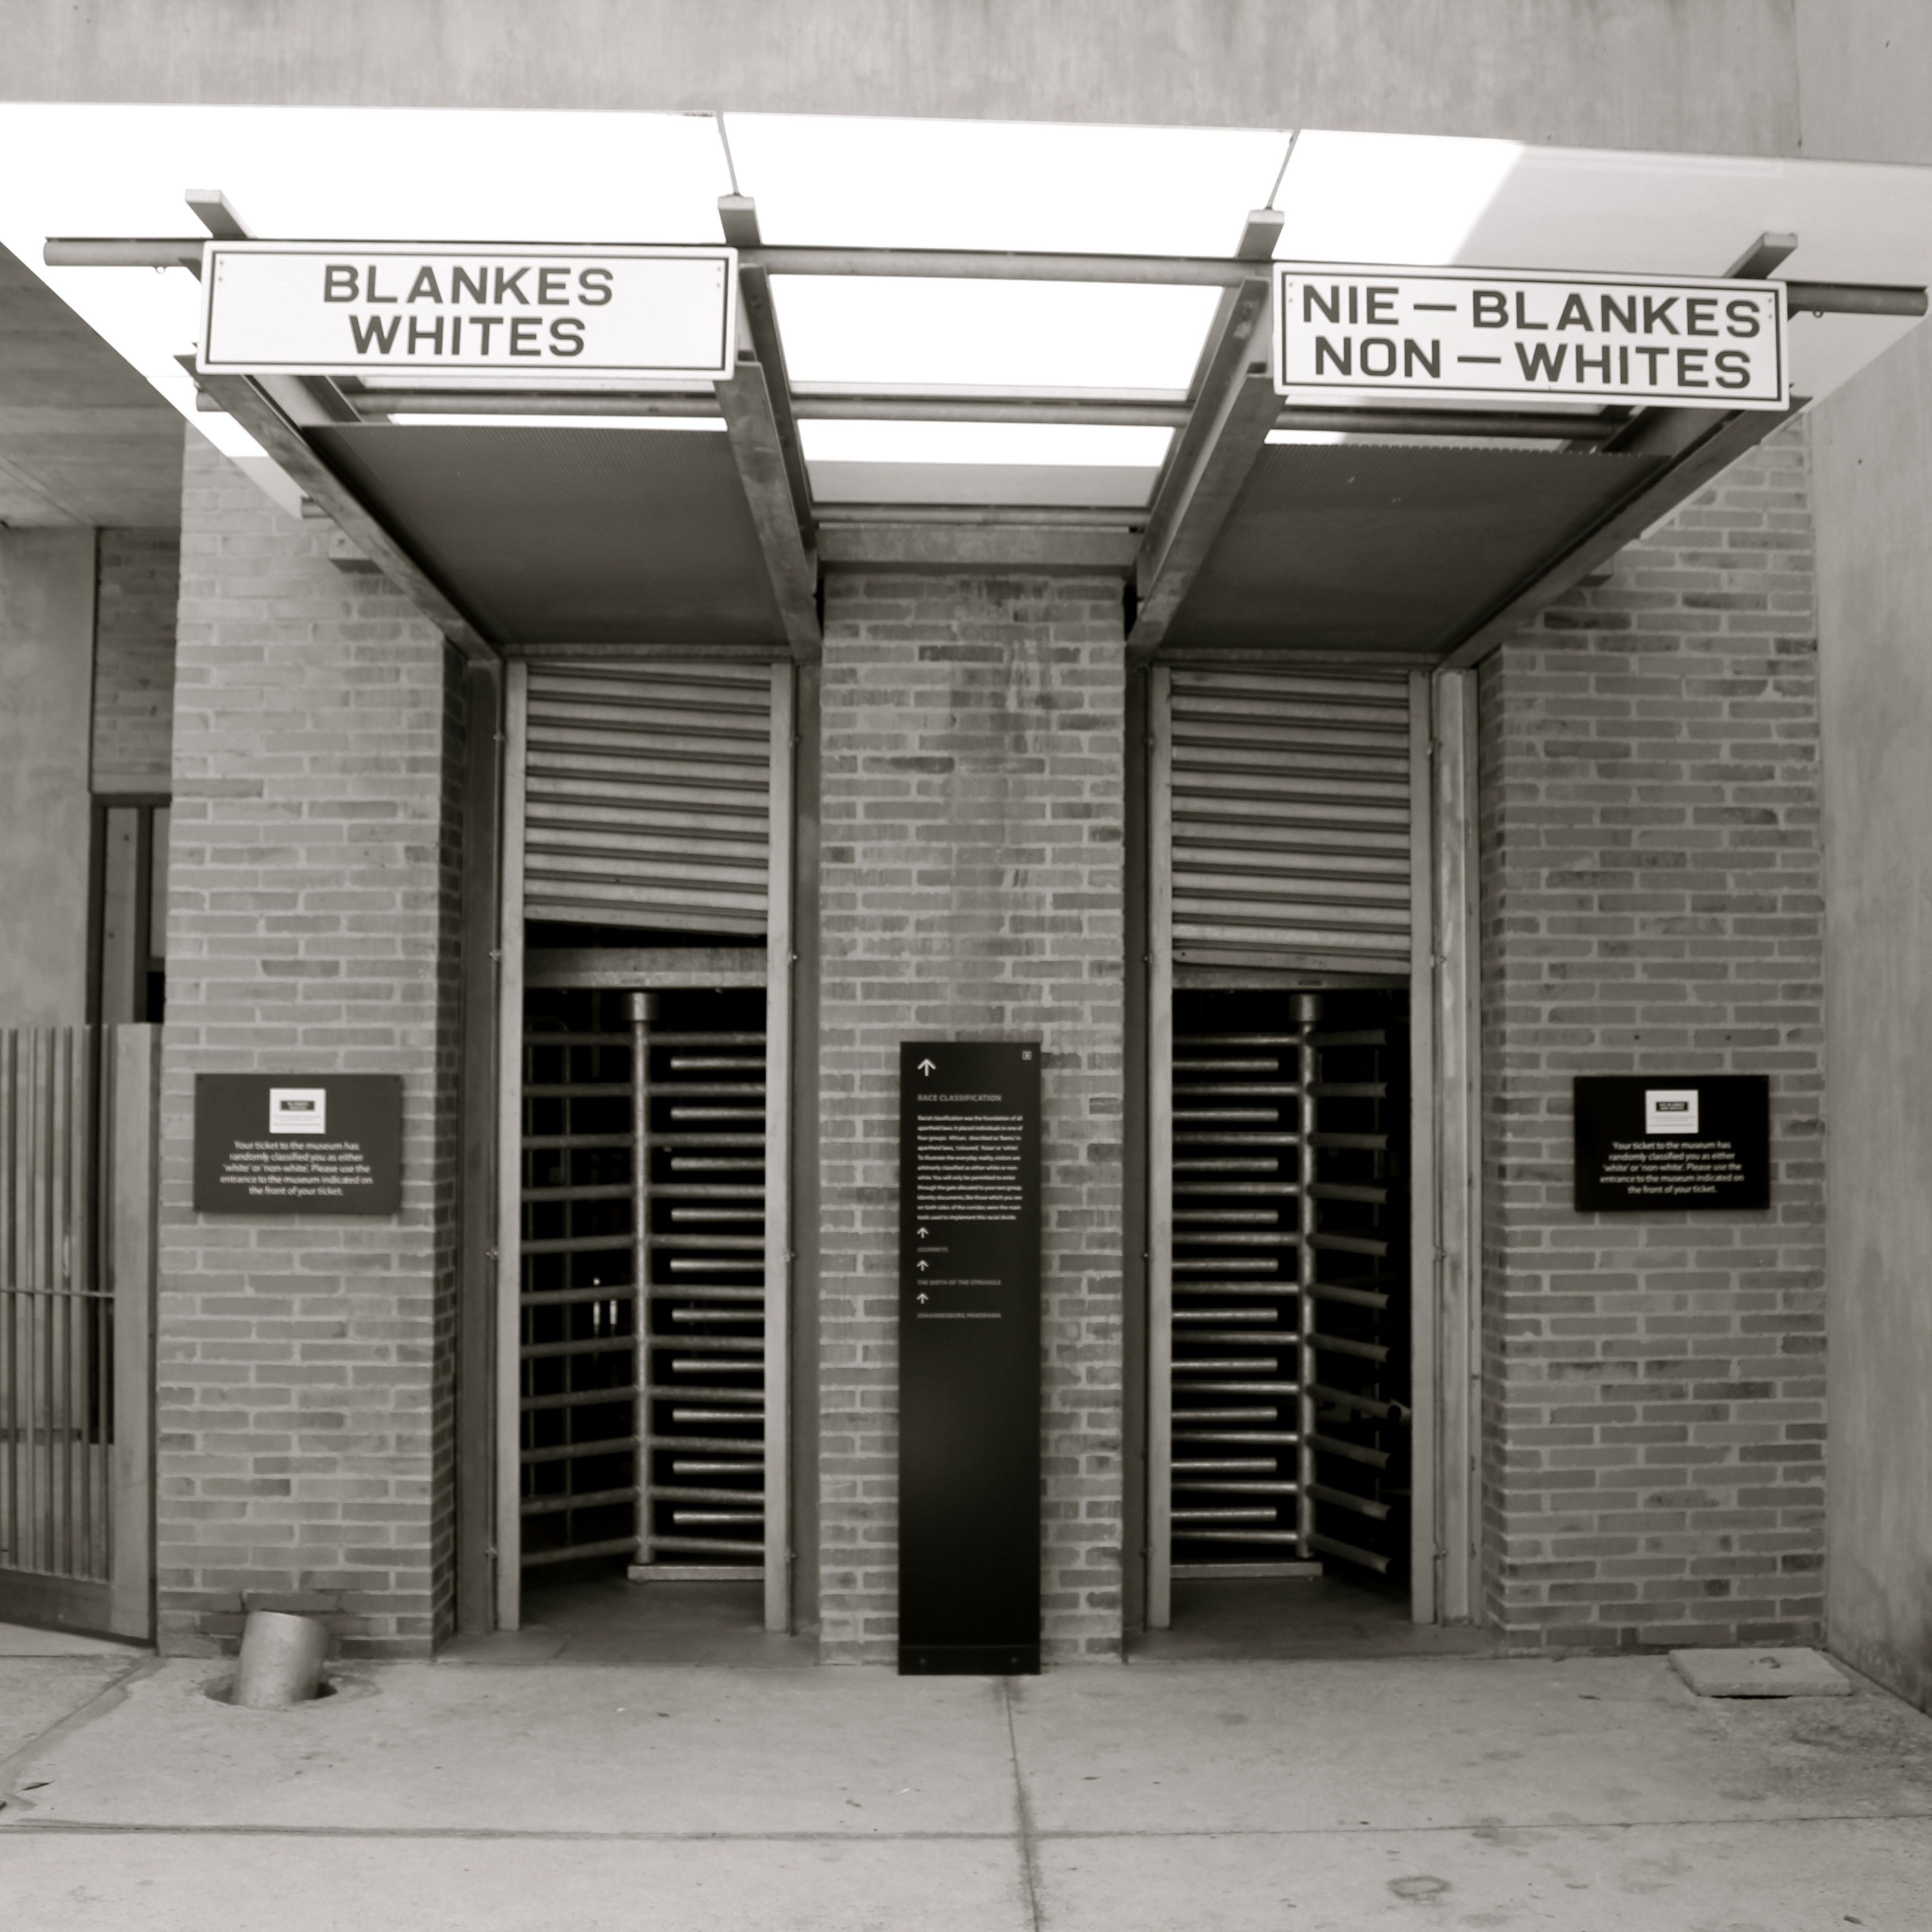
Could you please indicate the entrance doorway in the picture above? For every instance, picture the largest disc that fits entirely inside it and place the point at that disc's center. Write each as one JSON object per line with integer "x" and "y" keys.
{"x": 643, "y": 1142}
{"x": 1287, "y": 1309}
{"x": 1311, "y": 1181}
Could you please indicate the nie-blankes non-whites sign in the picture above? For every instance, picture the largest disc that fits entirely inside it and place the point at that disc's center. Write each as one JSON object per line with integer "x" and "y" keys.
{"x": 1467, "y": 336}
{"x": 580, "y": 316}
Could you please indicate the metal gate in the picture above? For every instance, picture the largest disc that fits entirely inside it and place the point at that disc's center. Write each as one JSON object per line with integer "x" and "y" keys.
{"x": 1289, "y": 1357}
{"x": 642, "y": 1399}
{"x": 643, "y": 1348}
{"x": 75, "y": 1316}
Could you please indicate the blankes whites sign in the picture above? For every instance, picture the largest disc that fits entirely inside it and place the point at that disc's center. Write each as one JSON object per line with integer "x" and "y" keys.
{"x": 584, "y": 315}
{"x": 1468, "y": 336}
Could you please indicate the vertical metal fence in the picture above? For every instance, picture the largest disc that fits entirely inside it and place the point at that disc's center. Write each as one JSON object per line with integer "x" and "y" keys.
{"x": 77, "y": 1246}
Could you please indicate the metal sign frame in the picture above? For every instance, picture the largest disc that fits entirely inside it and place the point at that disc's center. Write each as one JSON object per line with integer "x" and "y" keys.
{"x": 566, "y": 360}
{"x": 1413, "y": 319}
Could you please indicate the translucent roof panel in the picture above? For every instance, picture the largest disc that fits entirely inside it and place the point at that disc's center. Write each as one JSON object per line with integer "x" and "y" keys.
{"x": 371, "y": 173}
{"x": 1433, "y": 199}
{"x": 427, "y": 175}
{"x": 873, "y": 329}
{"x": 898, "y": 184}
{"x": 1092, "y": 443}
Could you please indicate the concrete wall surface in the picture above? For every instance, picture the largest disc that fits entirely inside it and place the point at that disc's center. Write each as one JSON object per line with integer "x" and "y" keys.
{"x": 1654, "y": 1422}
{"x": 46, "y": 678}
{"x": 971, "y": 888}
{"x": 1867, "y": 80}
{"x": 134, "y": 661}
{"x": 305, "y": 1365}
{"x": 1704, "y": 76}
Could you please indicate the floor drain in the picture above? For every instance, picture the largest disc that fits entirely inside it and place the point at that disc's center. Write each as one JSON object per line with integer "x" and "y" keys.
{"x": 222, "y": 1691}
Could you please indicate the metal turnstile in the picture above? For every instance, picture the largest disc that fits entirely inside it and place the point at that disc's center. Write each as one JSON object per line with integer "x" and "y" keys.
{"x": 642, "y": 1282}
{"x": 1288, "y": 1308}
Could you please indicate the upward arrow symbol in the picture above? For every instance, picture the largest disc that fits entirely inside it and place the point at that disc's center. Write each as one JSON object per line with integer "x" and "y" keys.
{"x": 925, "y": 1067}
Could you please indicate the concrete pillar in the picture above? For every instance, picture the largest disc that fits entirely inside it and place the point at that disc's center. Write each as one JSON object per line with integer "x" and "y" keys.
{"x": 46, "y": 674}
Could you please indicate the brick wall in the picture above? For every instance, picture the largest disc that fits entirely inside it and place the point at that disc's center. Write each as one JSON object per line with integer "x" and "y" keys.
{"x": 1652, "y": 901}
{"x": 971, "y": 881}
{"x": 303, "y": 1416}
{"x": 138, "y": 583}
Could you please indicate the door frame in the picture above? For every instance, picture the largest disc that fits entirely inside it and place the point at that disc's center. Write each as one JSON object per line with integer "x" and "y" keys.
{"x": 658, "y": 971}
{"x": 1445, "y": 1207}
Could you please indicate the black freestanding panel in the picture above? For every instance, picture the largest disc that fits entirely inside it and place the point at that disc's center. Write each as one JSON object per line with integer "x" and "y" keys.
{"x": 969, "y": 1358}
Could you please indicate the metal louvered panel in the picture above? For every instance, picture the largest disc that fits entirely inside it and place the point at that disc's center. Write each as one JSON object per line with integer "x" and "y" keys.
{"x": 647, "y": 796}
{"x": 1291, "y": 831}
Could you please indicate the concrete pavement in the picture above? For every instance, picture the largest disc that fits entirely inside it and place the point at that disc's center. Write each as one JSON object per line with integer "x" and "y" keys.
{"x": 1581, "y": 1795}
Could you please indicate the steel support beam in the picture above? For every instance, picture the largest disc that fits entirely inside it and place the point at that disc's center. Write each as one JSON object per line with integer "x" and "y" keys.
{"x": 751, "y": 424}
{"x": 289, "y": 449}
{"x": 927, "y": 546}
{"x": 1236, "y": 406}
{"x": 738, "y": 214}
{"x": 179, "y": 251}
{"x": 1703, "y": 442}
{"x": 373, "y": 405}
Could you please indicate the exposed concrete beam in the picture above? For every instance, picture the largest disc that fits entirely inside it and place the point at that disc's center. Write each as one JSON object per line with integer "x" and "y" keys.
{"x": 976, "y": 547}
{"x": 1719, "y": 77}
{"x": 752, "y": 426}
{"x": 1704, "y": 441}
{"x": 290, "y": 450}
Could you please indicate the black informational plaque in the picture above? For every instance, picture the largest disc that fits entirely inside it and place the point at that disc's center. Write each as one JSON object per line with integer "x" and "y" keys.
{"x": 298, "y": 1143}
{"x": 969, "y": 1358}
{"x": 1658, "y": 1141}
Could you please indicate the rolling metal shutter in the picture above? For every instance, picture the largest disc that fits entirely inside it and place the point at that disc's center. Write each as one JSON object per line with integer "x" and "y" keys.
{"x": 647, "y": 796}
{"x": 1289, "y": 820}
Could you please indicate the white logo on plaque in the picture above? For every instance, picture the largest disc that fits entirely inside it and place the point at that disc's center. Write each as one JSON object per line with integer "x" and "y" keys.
{"x": 298, "y": 1110}
{"x": 1670, "y": 1110}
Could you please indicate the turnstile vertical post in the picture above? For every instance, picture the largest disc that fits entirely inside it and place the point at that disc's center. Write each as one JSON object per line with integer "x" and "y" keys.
{"x": 1307, "y": 1010}
{"x": 641, "y": 1010}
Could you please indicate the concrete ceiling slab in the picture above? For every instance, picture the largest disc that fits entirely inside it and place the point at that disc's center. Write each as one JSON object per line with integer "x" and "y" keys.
{"x": 83, "y": 439}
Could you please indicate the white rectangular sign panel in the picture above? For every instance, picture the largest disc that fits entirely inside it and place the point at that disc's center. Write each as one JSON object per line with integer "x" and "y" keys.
{"x": 584, "y": 316}
{"x": 1466, "y": 336}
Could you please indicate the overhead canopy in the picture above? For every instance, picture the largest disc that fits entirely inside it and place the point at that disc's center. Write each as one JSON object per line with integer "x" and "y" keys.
{"x": 894, "y": 404}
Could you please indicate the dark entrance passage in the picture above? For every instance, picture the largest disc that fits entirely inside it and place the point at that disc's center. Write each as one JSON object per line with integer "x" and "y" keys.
{"x": 642, "y": 1290}
{"x": 1289, "y": 1314}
